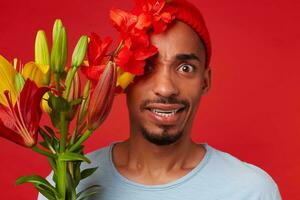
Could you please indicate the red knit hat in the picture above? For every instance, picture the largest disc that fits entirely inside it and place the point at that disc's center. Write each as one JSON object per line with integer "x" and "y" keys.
{"x": 191, "y": 15}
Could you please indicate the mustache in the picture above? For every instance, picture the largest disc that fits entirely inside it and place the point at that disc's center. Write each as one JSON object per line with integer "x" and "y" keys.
{"x": 164, "y": 100}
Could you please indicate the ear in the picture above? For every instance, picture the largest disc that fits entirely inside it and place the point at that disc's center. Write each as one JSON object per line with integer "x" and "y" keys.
{"x": 206, "y": 80}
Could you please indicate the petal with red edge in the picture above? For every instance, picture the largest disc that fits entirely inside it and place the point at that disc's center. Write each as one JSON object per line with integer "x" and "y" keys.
{"x": 11, "y": 135}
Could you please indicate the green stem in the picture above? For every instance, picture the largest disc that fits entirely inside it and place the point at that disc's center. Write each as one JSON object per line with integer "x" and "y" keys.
{"x": 45, "y": 153}
{"x": 64, "y": 125}
{"x": 62, "y": 165}
{"x": 69, "y": 82}
{"x": 57, "y": 84}
{"x": 61, "y": 178}
{"x": 83, "y": 138}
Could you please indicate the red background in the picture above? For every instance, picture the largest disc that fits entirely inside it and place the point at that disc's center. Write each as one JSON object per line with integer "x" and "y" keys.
{"x": 252, "y": 110}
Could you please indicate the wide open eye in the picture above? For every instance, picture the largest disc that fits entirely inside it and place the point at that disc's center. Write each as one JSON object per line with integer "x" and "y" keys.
{"x": 186, "y": 68}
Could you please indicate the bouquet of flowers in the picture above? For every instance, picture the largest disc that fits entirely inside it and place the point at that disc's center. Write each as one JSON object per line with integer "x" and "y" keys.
{"x": 49, "y": 85}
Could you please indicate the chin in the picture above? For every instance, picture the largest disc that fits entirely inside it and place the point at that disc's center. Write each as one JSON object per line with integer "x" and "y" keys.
{"x": 163, "y": 137}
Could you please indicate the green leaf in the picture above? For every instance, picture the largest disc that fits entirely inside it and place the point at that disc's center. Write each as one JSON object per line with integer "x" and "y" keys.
{"x": 58, "y": 104}
{"x": 88, "y": 192}
{"x": 76, "y": 101}
{"x": 54, "y": 178}
{"x": 46, "y": 193}
{"x": 87, "y": 172}
{"x": 76, "y": 171}
{"x": 68, "y": 156}
{"x": 55, "y": 120}
{"x": 37, "y": 181}
{"x": 47, "y": 143}
{"x": 52, "y": 133}
{"x": 52, "y": 164}
{"x": 79, "y": 51}
{"x": 44, "y": 144}
{"x": 71, "y": 192}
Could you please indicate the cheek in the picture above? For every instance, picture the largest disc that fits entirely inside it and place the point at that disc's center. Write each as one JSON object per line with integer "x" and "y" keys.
{"x": 134, "y": 96}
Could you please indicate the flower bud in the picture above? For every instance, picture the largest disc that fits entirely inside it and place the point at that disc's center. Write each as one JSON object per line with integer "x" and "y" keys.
{"x": 102, "y": 97}
{"x": 79, "y": 51}
{"x": 42, "y": 56}
{"x": 59, "y": 51}
{"x": 74, "y": 96}
{"x": 84, "y": 103}
{"x": 56, "y": 27}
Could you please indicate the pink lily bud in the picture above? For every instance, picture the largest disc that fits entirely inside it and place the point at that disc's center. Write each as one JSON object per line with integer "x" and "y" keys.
{"x": 102, "y": 97}
{"x": 73, "y": 96}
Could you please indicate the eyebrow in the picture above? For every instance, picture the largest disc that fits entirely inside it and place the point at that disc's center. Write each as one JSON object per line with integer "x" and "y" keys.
{"x": 188, "y": 56}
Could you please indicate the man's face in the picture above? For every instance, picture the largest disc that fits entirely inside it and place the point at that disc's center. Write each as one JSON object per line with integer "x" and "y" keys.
{"x": 162, "y": 103}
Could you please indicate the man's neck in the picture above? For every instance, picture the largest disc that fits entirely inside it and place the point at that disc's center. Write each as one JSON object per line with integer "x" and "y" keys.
{"x": 137, "y": 157}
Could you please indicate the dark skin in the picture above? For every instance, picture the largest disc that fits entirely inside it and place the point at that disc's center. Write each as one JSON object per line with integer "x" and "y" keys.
{"x": 175, "y": 79}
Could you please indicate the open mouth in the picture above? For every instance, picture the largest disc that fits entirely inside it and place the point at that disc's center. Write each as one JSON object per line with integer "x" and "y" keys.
{"x": 166, "y": 113}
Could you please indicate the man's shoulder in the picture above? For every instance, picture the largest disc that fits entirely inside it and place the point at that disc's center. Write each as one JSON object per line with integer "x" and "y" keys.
{"x": 241, "y": 174}
{"x": 99, "y": 155}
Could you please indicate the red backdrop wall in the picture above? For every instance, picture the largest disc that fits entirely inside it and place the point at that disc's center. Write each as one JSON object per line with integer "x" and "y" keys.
{"x": 252, "y": 110}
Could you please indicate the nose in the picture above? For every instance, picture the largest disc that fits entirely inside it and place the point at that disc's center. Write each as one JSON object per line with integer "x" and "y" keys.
{"x": 164, "y": 83}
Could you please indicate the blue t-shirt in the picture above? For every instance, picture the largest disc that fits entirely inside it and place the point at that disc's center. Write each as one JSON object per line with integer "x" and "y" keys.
{"x": 219, "y": 176}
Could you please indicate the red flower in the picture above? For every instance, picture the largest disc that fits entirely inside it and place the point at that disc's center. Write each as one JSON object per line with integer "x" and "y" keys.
{"x": 136, "y": 43}
{"x": 20, "y": 122}
{"x": 97, "y": 50}
{"x": 133, "y": 60}
{"x": 123, "y": 21}
{"x": 154, "y": 12}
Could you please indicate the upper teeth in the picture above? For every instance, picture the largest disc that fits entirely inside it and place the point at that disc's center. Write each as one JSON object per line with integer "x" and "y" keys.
{"x": 164, "y": 113}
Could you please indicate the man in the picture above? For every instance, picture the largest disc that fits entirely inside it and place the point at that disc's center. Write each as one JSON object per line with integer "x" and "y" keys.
{"x": 159, "y": 160}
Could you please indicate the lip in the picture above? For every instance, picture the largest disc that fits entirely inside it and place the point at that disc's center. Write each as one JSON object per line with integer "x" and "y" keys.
{"x": 165, "y": 120}
{"x": 163, "y": 106}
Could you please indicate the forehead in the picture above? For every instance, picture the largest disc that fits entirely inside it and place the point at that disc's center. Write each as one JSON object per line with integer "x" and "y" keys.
{"x": 178, "y": 39}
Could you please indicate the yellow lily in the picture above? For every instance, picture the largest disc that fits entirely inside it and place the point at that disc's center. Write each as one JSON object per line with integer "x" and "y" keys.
{"x": 124, "y": 78}
{"x": 7, "y": 77}
{"x": 36, "y": 72}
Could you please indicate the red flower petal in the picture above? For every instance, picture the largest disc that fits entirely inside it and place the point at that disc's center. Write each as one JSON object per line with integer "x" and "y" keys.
{"x": 10, "y": 134}
{"x": 122, "y": 20}
{"x": 20, "y": 123}
{"x": 97, "y": 49}
{"x": 93, "y": 73}
{"x": 123, "y": 57}
{"x": 143, "y": 21}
